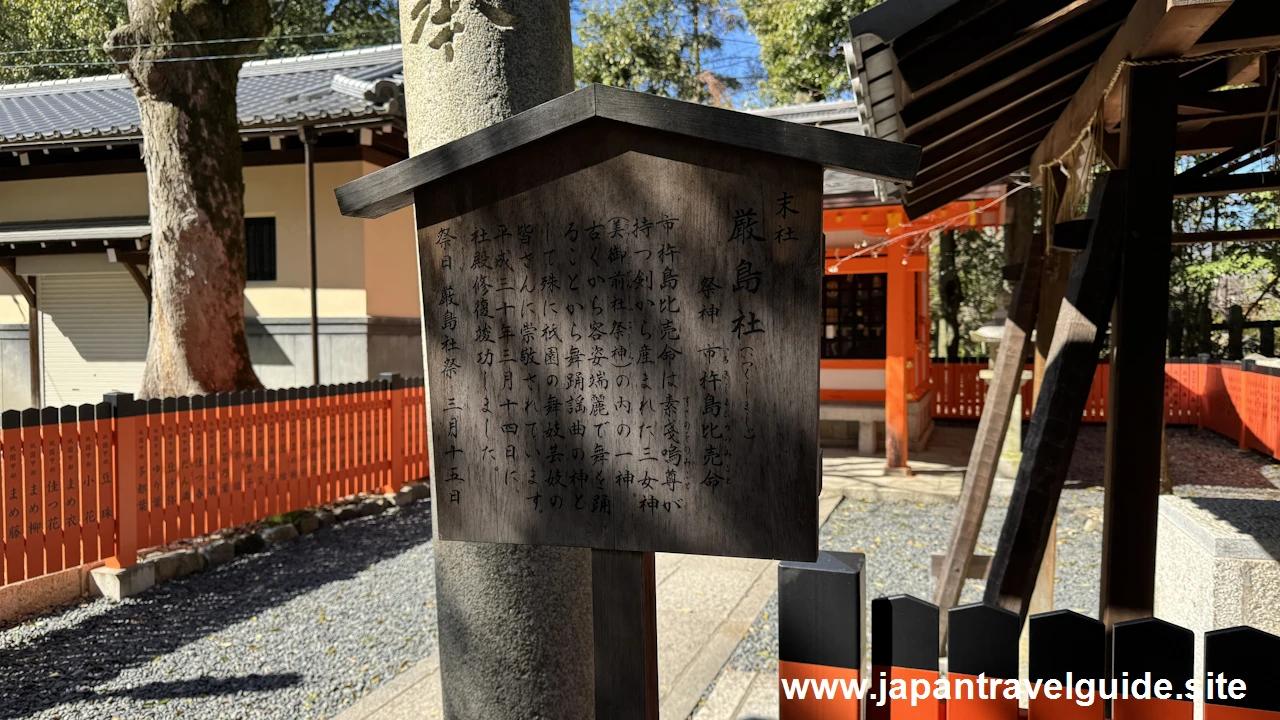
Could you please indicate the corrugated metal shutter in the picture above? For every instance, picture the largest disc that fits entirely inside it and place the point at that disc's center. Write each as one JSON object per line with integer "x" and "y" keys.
{"x": 94, "y": 336}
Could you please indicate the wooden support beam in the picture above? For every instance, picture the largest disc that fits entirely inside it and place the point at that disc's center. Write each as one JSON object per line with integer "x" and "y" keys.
{"x": 1215, "y": 185}
{"x": 1216, "y": 162}
{"x": 916, "y": 206}
{"x": 1241, "y": 102}
{"x": 143, "y": 282}
{"x": 1221, "y": 135}
{"x": 997, "y": 413}
{"x": 9, "y": 265}
{"x": 27, "y": 286}
{"x": 1056, "y": 419}
{"x": 1154, "y": 29}
{"x": 1135, "y": 411}
{"x": 1010, "y": 80}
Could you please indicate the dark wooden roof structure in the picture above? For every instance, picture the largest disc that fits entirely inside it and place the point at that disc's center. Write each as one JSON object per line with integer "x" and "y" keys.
{"x": 599, "y": 106}
{"x": 1052, "y": 87}
{"x": 990, "y": 87}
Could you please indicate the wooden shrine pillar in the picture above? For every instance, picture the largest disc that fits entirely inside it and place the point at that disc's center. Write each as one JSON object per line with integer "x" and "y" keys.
{"x": 900, "y": 330}
{"x": 1139, "y": 331}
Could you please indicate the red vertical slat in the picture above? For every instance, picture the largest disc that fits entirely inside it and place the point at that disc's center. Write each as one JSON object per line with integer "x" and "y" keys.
{"x": 183, "y": 459}
{"x": 13, "y": 498}
{"x": 50, "y": 451}
{"x": 33, "y": 493}
{"x": 155, "y": 474}
{"x": 206, "y": 498}
{"x": 343, "y": 465}
{"x": 239, "y": 499}
{"x": 104, "y": 460}
{"x": 90, "y": 487}
{"x": 222, "y": 464}
{"x": 270, "y": 455}
{"x": 326, "y": 443}
{"x": 252, "y": 456}
{"x": 72, "y": 539}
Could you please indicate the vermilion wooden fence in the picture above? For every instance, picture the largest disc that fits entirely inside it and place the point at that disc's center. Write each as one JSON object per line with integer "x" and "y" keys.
{"x": 1240, "y": 402}
{"x": 98, "y": 482}
{"x": 959, "y": 393}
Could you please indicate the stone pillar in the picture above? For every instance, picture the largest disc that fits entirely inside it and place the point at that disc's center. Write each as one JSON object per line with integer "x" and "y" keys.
{"x": 515, "y": 621}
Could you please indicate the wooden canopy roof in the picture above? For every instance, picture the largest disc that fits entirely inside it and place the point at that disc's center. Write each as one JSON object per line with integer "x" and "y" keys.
{"x": 599, "y": 106}
{"x": 990, "y": 87}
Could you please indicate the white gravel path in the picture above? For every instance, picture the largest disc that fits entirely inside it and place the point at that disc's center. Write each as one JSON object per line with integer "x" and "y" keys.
{"x": 898, "y": 538}
{"x": 298, "y": 631}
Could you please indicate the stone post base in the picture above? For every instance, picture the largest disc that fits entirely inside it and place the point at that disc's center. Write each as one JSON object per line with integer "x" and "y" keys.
{"x": 125, "y": 582}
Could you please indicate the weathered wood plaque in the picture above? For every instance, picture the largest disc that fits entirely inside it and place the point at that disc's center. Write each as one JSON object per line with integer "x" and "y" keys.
{"x": 627, "y": 357}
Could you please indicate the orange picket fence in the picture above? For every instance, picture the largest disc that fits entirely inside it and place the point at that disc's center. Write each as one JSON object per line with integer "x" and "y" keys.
{"x": 99, "y": 482}
{"x": 1240, "y": 402}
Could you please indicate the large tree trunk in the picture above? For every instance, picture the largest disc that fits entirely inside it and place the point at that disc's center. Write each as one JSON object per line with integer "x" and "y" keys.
{"x": 515, "y": 621}
{"x": 192, "y": 151}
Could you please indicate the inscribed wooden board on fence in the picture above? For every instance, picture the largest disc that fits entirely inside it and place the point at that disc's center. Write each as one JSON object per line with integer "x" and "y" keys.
{"x": 626, "y": 358}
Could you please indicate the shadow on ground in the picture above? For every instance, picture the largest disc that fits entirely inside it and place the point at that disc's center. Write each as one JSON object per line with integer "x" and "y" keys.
{"x": 65, "y": 665}
{"x": 208, "y": 685}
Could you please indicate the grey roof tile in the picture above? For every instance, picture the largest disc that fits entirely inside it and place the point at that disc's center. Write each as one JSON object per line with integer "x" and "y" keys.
{"x": 839, "y": 115}
{"x": 284, "y": 90}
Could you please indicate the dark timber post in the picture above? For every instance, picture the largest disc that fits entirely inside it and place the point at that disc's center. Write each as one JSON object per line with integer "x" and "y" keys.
{"x": 308, "y": 152}
{"x": 625, "y": 626}
{"x": 979, "y": 476}
{"x": 1136, "y": 402}
{"x": 33, "y": 340}
{"x": 1235, "y": 333}
{"x": 1175, "y": 333}
{"x": 1069, "y": 372}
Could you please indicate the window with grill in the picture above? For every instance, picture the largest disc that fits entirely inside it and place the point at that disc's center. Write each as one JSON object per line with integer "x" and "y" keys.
{"x": 853, "y": 316}
{"x": 260, "y": 249}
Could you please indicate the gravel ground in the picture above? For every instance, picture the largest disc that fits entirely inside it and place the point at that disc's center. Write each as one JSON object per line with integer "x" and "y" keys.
{"x": 298, "y": 631}
{"x": 899, "y": 537}
{"x": 1196, "y": 457}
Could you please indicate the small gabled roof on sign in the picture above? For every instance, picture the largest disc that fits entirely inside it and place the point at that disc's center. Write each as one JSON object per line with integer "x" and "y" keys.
{"x": 392, "y": 188}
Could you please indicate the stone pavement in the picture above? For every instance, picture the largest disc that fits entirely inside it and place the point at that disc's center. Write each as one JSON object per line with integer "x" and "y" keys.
{"x": 706, "y": 604}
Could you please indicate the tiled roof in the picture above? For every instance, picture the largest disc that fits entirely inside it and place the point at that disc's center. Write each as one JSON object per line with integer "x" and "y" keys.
{"x": 350, "y": 84}
{"x": 839, "y": 115}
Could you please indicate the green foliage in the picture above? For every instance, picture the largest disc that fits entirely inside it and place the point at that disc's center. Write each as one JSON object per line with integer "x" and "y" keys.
{"x": 63, "y": 38}
{"x": 796, "y": 38}
{"x": 332, "y": 25}
{"x": 1207, "y": 279}
{"x": 656, "y": 46}
{"x": 30, "y": 29}
{"x": 979, "y": 259}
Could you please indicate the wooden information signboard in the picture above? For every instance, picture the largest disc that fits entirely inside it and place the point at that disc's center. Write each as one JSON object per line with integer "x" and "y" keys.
{"x": 624, "y": 360}
{"x": 621, "y": 300}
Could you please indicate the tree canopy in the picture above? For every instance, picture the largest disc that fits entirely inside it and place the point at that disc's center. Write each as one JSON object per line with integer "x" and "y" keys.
{"x": 1208, "y": 278}
{"x": 51, "y": 39}
{"x": 796, "y": 38}
{"x": 656, "y": 46}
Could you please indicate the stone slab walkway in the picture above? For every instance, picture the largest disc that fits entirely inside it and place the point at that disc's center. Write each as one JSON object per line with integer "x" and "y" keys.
{"x": 705, "y": 606}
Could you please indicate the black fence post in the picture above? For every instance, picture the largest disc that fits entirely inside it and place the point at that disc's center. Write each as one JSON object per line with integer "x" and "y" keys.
{"x": 904, "y": 647}
{"x": 1066, "y": 646}
{"x": 1241, "y": 666}
{"x": 821, "y": 635}
{"x": 982, "y": 653}
{"x": 1163, "y": 657}
{"x": 1235, "y": 333}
